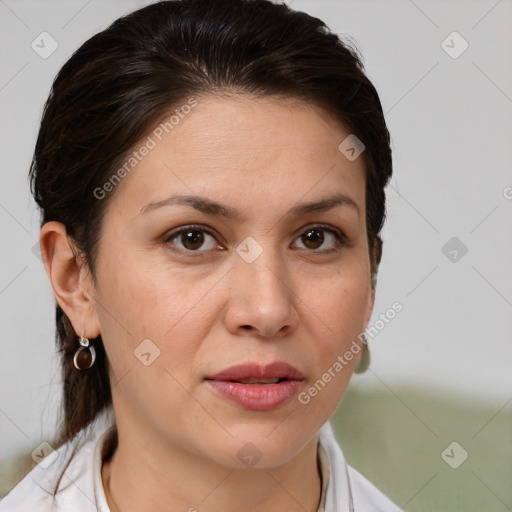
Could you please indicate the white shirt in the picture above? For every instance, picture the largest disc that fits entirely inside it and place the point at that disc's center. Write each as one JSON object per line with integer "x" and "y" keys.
{"x": 81, "y": 488}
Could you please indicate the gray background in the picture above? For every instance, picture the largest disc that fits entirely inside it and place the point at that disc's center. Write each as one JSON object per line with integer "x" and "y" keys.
{"x": 451, "y": 124}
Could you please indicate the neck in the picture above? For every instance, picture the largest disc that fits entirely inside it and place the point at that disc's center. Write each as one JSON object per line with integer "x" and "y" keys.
{"x": 147, "y": 473}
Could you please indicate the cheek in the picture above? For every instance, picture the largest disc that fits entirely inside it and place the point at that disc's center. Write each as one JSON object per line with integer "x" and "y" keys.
{"x": 339, "y": 306}
{"x": 142, "y": 300}
{"x": 150, "y": 310}
{"x": 336, "y": 316}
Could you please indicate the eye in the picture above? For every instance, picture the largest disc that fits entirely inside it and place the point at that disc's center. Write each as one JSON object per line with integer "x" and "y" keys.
{"x": 198, "y": 239}
{"x": 192, "y": 238}
{"x": 316, "y": 236}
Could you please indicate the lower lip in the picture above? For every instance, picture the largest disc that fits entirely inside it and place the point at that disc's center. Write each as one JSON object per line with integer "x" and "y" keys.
{"x": 257, "y": 397}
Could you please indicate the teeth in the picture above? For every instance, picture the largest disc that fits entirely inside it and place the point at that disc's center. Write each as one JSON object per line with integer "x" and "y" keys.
{"x": 260, "y": 381}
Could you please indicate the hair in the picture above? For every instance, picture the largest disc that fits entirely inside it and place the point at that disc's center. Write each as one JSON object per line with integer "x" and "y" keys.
{"x": 123, "y": 80}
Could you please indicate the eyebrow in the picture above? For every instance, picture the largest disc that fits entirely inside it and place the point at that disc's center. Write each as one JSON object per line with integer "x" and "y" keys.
{"x": 211, "y": 207}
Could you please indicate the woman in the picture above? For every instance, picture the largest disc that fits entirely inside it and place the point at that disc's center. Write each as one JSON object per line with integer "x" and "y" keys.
{"x": 211, "y": 180}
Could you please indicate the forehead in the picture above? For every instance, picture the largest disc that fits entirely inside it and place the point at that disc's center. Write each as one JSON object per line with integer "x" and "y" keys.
{"x": 272, "y": 149}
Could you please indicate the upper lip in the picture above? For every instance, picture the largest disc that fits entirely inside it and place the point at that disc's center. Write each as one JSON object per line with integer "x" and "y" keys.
{"x": 278, "y": 369}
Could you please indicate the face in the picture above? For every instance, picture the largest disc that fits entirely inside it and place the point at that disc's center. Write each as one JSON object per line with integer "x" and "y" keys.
{"x": 187, "y": 289}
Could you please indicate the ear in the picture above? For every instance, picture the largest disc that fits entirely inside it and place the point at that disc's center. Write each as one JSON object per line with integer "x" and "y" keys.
{"x": 375, "y": 256}
{"x": 69, "y": 278}
{"x": 369, "y": 308}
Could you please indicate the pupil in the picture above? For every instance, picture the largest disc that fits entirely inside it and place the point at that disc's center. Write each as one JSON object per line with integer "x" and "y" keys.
{"x": 192, "y": 239}
{"x": 313, "y": 236}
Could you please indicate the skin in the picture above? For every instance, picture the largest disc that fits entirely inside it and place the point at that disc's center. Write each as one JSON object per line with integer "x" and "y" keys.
{"x": 297, "y": 302}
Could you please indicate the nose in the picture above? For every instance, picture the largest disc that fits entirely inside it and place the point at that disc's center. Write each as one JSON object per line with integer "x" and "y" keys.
{"x": 261, "y": 301}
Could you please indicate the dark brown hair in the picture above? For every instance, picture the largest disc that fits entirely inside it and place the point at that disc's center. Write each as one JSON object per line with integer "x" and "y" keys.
{"x": 119, "y": 84}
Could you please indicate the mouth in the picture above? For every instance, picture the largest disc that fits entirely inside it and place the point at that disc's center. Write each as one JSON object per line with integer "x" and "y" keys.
{"x": 257, "y": 387}
{"x": 255, "y": 373}
{"x": 260, "y": 381}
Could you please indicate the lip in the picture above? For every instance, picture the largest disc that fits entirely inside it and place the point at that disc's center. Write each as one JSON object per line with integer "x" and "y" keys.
{"x": 278, "y": 369}
{"x": 257, "y": 397}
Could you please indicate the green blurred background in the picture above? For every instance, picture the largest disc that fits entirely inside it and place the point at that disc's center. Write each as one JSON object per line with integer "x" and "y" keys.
{"x": 395, "y": 438}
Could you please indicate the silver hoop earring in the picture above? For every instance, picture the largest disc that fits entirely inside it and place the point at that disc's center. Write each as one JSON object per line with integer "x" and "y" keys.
{"x": 85, "y": 355}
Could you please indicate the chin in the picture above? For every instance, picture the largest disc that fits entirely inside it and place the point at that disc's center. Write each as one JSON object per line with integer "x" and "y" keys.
{"x": 261, "y": 447}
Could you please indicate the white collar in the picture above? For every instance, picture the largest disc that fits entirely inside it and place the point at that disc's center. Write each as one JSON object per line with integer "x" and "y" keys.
{"x": 338, "y": 495}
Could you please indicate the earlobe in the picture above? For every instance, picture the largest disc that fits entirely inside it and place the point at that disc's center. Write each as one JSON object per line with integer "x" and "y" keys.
{"x": 67, "y": 278}
{"x": 374, "y": 264}
{"x": 369, "y": 309}
{"x": 363, "y": 360}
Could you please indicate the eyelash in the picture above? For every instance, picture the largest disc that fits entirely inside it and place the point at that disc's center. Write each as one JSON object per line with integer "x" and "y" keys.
{"x": 340, "y": 237}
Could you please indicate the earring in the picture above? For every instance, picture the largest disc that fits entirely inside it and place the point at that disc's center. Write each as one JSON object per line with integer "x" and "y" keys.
{"x": 364, "y": 360}
{"x": 85, "y": 355}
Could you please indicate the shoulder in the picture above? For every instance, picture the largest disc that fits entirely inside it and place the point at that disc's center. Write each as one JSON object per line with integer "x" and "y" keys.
{"x": 347, "y": 488}
{"x": 366, "y": 496}
{"x": 61, "y": 470}
{"x": 64, "y": 480}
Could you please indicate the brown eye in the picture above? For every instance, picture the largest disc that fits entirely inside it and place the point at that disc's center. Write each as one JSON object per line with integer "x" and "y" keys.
{"x": 316, "y": 238}
{"x": 192, "y": 239}
{"x": 313, "y": 238}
